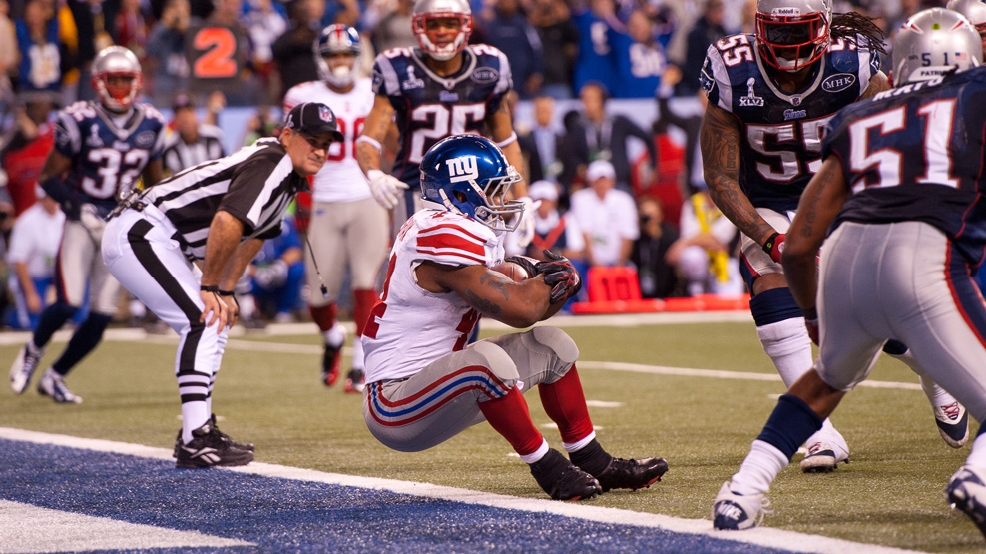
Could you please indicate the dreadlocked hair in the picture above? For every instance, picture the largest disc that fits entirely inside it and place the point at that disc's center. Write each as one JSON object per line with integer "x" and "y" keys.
{"x": 847, "y": 25}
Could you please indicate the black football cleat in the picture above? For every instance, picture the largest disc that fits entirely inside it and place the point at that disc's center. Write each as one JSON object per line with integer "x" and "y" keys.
{"x": 632, "y": 474}
{"x": 563, "y": 480}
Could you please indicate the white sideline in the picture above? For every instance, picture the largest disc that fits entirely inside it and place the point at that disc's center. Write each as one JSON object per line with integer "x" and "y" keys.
{"x": 762, "y": 536}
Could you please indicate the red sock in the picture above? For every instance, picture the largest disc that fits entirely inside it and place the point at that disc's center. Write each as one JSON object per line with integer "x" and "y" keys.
{"x": 510, "y": 417}
{"x": 363, "y": 300}
{"x": 564, "y": 402}
{"x": 324, "y": 316}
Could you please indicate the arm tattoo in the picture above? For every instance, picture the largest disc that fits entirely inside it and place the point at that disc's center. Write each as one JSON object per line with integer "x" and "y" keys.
{"x": 720, "y": 139}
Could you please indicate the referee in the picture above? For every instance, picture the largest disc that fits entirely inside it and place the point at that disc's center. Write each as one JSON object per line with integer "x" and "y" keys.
{"x": 217, "y": 215}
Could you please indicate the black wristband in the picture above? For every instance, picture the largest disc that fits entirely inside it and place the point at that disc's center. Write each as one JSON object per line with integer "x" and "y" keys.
{"x": 768, "y": 244}
{"x": 226, "y": 292}
{"x": 210, "y": 288}
{"x": 811, "y": 314}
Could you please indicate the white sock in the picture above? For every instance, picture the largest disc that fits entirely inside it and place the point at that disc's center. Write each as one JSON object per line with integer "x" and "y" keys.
{"x": 574, "y": 446}
{"x": 977, "y": 457}
{"x": 788, "y": 345}
{"x": 537, "y": 454}
{"x": 758, "y": 469}
{"x": 357, "y": 353}
{"x": 193, "y": 415}
{"x": 335, "y": 336}
{"x": 937, "y": 396}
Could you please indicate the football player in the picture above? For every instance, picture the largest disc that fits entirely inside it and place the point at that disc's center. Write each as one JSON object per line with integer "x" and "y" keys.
{"x": 101, "y": 149}
{"x": 443, "y": 87}
{"x": 770, "y": 94}
{"x": 974, "y": 11}
{"x": 426, "y": 385}
{"x": 348, "y": 229}
{"x": 899, "y": 197}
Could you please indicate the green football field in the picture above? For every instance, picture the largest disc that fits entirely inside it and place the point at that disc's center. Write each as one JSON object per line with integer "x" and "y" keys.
{"x": 696, "y": 393}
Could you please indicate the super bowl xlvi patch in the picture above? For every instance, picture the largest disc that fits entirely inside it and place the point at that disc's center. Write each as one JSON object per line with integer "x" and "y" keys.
{"x": 838, "y": 82}
{"x": 94, "y": 140}
{"x": 485, "y": 75}
{"x": 411, "y": 82}
{"x": 751, "y": 99}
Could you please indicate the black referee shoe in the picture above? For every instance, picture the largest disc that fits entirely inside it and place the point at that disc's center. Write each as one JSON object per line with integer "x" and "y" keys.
{"x": 215, "y": 427}
{"x": 208, "y": 448}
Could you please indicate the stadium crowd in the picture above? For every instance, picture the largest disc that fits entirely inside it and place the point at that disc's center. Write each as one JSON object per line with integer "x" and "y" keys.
{"x": 253, "y": 51}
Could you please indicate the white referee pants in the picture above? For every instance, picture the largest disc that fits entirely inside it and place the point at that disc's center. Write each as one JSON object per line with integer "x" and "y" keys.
{"x": 904, "y": 281}
{"x": 140, "y": 252}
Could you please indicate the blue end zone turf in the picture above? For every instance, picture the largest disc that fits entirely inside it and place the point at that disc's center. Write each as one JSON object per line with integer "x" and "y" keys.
{"x": 282, "y": 515}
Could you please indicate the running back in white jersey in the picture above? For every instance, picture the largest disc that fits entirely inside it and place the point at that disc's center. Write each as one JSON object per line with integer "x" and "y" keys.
{"x": 412, "y": 327}
{"x": 340, "y": 179}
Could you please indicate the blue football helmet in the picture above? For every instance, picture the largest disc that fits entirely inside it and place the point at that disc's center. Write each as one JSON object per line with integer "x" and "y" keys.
{"x": 469, "y": 175}
{"x": 336, "y": 39}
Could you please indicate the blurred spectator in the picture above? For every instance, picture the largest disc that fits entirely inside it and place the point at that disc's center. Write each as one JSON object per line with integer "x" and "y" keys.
{"x": 166, "y": 60}
{"x": 393, "y": 29}
{"x": 293, "y": 49}
{"x": 92, "y": 20}
{"x": 640, "y": 59}
{"x": 33, "y": 246}
{"x": 560, "y": 43}
{"x": 276, "y": 275}
{"x": 553, "y": 230}
{"x": 705, "y": 253}
{"x": 192, "y": 142}
{"x": 546, "y": 136}
{"x": 595, "y": 61}
{"x": 607, "y": 217}
{"x": 707, "y": 30}
{"x": 8, "y": 51}
{"x": 601, "y": 136}
{"x": 265, "y": 20}
{"x": 509, "y": 30}
{"x": 346, "y": 12}
{"x": 658, "y": 276}
{"x": 130, "y": 29}
{"x": 41, "y": 49}
{"x": 25, "y": 150}
{"x": 261, "y": 125}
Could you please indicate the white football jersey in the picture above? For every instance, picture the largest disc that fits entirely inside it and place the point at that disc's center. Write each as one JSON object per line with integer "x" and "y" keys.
{"x": 411, "y": 327}
{"x": 340, "y": 179}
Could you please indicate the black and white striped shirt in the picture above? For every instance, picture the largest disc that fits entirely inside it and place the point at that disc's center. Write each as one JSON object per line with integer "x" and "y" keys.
{"x": 255, "y": 185}
{"x": 179, "y": 155}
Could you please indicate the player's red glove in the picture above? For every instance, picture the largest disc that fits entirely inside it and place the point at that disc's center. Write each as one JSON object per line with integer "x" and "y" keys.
{"x": 558, "y": 272}
{"x": 811, "y": 323}
{"x": 774, "y": 246}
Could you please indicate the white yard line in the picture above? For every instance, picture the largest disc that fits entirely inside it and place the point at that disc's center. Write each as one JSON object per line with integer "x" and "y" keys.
{"x": 762, "y": 536}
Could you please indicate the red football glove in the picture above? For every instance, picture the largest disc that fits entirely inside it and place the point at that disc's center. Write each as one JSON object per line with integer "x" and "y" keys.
{"x": 774, "y": 246}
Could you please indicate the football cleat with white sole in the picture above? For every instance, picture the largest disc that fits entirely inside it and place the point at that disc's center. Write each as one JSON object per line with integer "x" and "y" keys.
{"x": 354, "y": 382}
{"x": 215, "y": 428}
{"x": 52, "y": 384}
{"x": 953, "y": 424}
{"x": 735, "y": 512}
{"x": 208, "y": 448}
{"x": 966, "y": 491}
{"x": 24, "y": 366}
{"x": 823, "y": 457}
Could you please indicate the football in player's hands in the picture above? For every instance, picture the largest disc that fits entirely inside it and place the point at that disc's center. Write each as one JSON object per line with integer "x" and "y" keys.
{"x": 513, "y": 270}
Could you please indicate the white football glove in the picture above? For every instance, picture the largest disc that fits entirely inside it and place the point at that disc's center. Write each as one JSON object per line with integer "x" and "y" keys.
{"x": 525, "y": 229}
{"x": 386, "y": 188}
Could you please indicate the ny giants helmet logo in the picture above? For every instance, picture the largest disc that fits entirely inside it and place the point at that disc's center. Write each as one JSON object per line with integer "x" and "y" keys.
{"x": 462, "y": 169}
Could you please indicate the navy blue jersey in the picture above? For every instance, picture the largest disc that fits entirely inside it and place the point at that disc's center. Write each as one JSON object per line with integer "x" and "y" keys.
{"x": 915, "y": 153}
{"x": 108, "y": 152}
{"x": 429, "y": 108}
{"x": 781, "y": 133}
